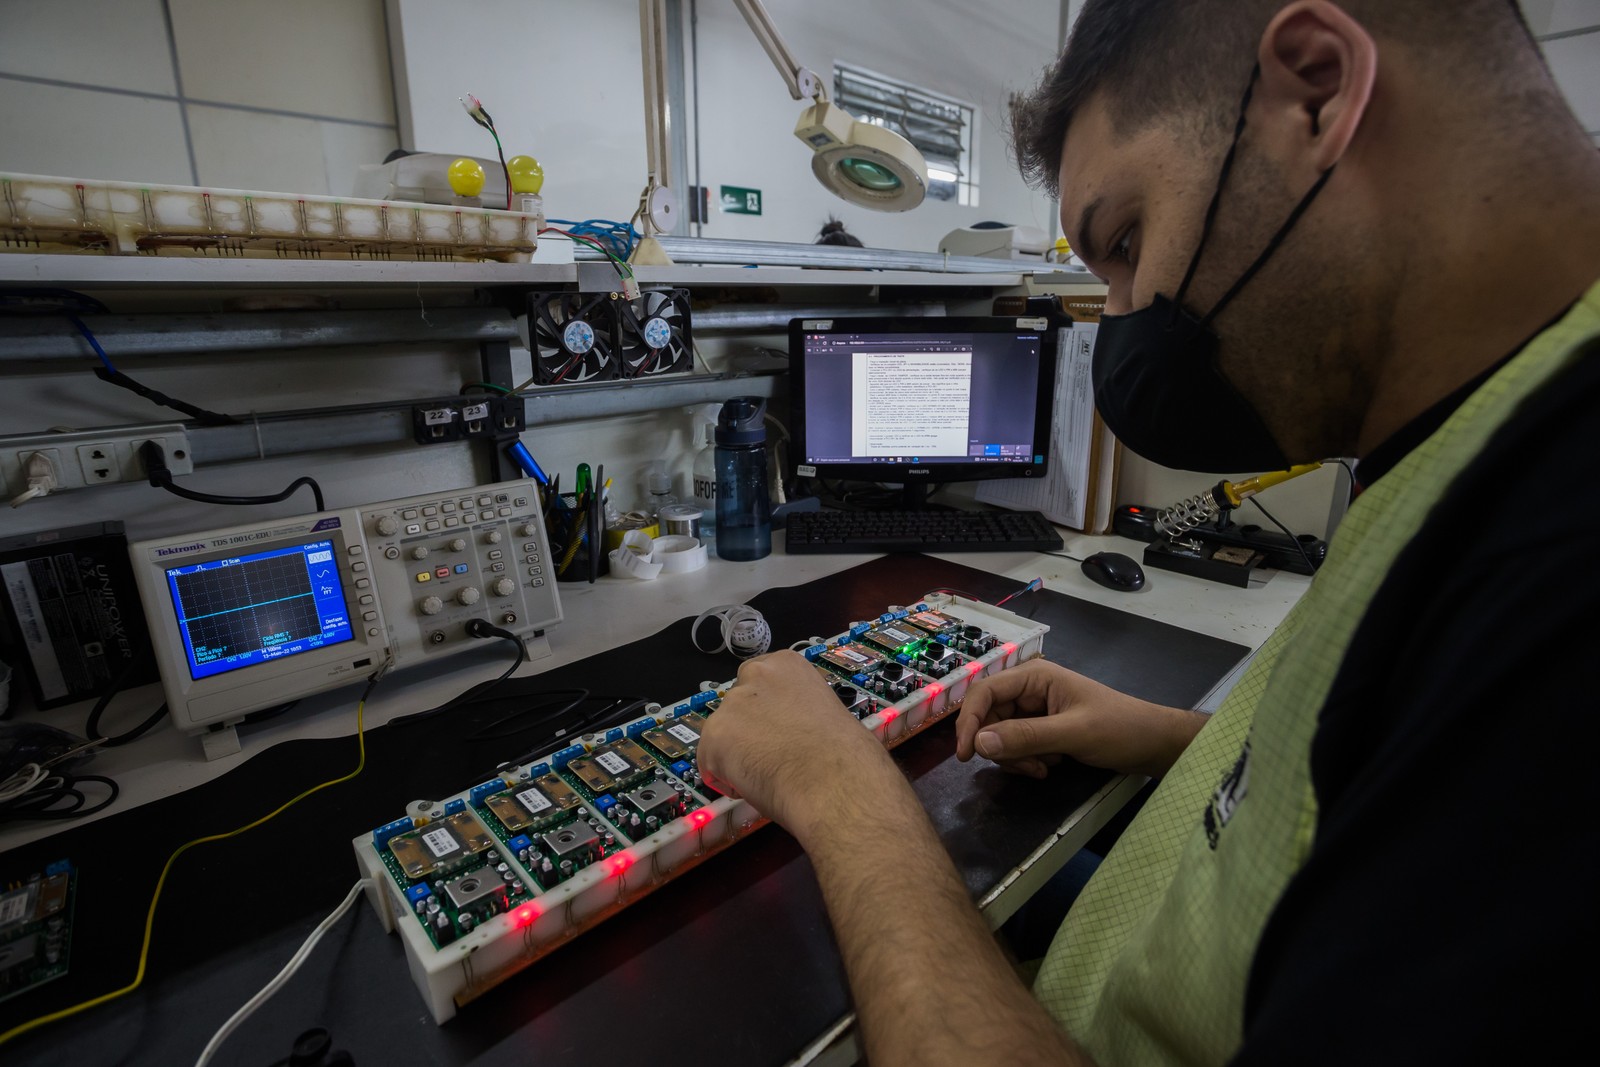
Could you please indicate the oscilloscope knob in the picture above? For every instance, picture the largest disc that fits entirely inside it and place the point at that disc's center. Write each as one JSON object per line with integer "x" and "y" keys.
{"x": 420, "y": 552}
{"x": 530, "y": 530}
{"x": 387, "y": 525}
{"x": 492, "y": 537}
{"x": 458, "y": 545}
{"x": 503, "y": 587}
{"x": 469, "y": 595}
{"x": 430, "y": 605}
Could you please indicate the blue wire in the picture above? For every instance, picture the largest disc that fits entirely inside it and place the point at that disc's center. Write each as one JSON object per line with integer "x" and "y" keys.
{"x": 618, "y": 236}
{"x": 92, "y": 342}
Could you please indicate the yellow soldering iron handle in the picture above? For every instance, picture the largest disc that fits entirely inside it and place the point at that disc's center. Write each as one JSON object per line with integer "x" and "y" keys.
{"x": 1238, "y": 492}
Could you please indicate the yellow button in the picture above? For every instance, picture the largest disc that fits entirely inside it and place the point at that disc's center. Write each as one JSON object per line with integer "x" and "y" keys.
{"x": 424, "y": 576}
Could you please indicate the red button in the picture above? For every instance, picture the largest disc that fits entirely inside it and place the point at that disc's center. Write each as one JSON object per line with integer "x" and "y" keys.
{"x": 442, "y": 572}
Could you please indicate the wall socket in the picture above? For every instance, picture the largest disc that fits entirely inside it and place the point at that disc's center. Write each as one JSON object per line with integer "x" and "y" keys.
{"x": 83, "y": 458}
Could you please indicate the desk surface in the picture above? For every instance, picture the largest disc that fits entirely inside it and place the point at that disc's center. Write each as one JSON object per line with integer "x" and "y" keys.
{"x": 359, "y": 976}
{"x": 615, "y": 611}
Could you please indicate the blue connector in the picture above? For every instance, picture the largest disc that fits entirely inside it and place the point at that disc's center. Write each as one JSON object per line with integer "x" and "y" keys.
{"x": 518, "y": 843}
{"x": 681, "y": 710}
{"x": 58, "y": 867}
{"x": 383, "y": 834}
{"x": 418, "y": 892}
{"x": 701, "y": 699}
{"x": 476, "y": 794}
{"x": 859, "y": 679}
{"x": 886, "y": 617}
{"x": 943, "y": 639}
{"x": 455, "y": 807}
{"x": 843, "y": 640}
{"x": 538, "y": 770}
{"x": 604, "y": 802}
{"x": 814, "y": 651}
{"x": 566, "y": 756}
{"x": 860, "y": 628}
{"x": 898, "y": 615}
{"x": 637, "y": 728}
{"x": 614, "y": 734}
{"x": 922, "y": 606}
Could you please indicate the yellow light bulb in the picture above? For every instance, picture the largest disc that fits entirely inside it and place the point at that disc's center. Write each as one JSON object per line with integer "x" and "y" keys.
{"x": 465, "y": 177}
{"x": 527, "y": 175}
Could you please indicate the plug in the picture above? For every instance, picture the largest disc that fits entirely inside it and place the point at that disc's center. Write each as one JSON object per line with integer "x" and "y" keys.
{"x": 41, "y": 475}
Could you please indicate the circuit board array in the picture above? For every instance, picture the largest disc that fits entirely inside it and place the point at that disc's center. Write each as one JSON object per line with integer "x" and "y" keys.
{"x": 485, "y": 882}
{"x": 36, "y": 928}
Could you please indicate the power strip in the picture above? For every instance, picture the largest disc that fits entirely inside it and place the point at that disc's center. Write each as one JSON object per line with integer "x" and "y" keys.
{"x": 486, "y": 881}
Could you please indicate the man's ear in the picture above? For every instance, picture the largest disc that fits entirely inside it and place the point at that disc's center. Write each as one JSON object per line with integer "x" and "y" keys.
{"x": 1318, "y": 66}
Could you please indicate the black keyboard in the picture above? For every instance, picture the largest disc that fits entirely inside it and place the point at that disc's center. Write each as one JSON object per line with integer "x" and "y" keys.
{"x": 819, "y": 532}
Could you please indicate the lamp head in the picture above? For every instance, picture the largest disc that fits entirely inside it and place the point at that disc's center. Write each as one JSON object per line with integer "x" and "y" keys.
{"x": 466, "y": 177}
{"x": 862, "y": 163}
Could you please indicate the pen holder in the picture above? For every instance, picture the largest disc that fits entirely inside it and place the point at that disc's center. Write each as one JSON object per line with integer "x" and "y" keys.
{"x": 567, "y": 526}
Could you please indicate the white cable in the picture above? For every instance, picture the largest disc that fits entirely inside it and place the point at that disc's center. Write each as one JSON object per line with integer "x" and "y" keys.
{"x": 745, "y": 632}
{"x": 22, "y": 781}
{"x": 283, "y": 977}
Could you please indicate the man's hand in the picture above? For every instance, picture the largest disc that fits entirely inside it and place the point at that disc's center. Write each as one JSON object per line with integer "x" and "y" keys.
{"x": 781, "y": 739}
{"x": 1028, "y": 718}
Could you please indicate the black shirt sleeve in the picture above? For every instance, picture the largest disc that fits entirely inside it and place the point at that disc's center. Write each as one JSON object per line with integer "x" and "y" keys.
{"x": 1448, "y": 909}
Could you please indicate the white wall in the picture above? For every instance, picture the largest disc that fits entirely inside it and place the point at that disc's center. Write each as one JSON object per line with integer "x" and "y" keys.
{"x": 290, "y": 96}
{"x": 588, "y": 130}
{"x": 975, "y": 52}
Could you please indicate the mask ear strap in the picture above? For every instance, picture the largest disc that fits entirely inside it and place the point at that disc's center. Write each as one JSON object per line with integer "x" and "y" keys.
{"x": 1216, "y": 197}
{"x": 1272, "y": 247}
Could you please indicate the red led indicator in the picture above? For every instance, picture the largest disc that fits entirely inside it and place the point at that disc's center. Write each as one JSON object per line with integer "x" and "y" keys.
{"x": 974, "y": 667}
{"x": 1136, "y": 511}
{"x": 1009, "y": 647}
{"x": 933, "y": 690}
{"x": 619, "y": 863}
{"x": 699, "y": 818}
{"x": 890, "y": 714}
{"x": 526, "y": 915}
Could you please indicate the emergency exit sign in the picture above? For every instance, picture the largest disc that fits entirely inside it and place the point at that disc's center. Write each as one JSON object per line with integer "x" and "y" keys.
{"x": 737, "y": 200}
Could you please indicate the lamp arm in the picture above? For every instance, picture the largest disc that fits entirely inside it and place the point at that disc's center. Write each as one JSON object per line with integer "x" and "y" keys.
{"x": 803, "y": 82}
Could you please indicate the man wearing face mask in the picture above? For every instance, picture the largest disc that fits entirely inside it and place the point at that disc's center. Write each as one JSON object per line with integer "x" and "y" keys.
{"x": 1365, "y": 228}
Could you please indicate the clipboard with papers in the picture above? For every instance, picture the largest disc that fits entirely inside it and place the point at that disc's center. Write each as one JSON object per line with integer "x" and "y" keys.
{"x": 1079, "y": 488}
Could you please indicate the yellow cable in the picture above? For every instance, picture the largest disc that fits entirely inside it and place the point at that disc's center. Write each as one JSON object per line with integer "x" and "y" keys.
{"x": 150, "y": 916}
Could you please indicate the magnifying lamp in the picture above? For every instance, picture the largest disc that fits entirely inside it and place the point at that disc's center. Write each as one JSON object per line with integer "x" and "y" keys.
{"x": 860, "y": 162}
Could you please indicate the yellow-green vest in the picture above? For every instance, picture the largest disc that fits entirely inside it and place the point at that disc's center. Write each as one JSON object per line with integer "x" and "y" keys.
{"x": 1151, "y": 964}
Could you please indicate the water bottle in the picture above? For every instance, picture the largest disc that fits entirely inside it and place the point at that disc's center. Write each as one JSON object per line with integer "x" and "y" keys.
{"x": 744, "y": 517}
{"x": 704, "y": 485}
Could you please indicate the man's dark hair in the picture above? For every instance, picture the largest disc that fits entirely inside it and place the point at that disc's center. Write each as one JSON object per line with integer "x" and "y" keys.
{"x": 1187, "y": 61}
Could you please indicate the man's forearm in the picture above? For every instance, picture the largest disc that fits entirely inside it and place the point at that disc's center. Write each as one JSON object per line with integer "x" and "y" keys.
{"x": 930, "y": 984}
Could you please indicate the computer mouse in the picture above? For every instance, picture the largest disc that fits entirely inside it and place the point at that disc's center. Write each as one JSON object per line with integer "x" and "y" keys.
{"x": 1114, "y": 571}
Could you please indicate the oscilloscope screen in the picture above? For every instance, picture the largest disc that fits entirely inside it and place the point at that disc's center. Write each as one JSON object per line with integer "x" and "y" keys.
{"x": 258, "y": 607}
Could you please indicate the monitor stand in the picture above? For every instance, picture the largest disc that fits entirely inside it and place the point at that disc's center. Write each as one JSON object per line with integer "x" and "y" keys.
{"x": 914, "y": 496}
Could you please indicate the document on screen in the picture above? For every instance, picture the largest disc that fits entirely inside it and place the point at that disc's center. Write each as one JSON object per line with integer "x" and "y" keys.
{"x": 910, "y": 404}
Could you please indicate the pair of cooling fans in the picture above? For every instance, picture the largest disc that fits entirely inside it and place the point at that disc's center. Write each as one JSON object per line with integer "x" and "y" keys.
{"x": 597, "y": 337}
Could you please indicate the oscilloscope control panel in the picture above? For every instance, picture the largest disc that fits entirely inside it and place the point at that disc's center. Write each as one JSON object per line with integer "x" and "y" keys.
{"x": 252, "y": 616}
{"x": 481, "y": 883}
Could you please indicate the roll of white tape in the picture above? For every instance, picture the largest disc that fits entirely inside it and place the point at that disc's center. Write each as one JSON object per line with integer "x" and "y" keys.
{"x": 678, "y": 554}
{"x": 634, "y": 557}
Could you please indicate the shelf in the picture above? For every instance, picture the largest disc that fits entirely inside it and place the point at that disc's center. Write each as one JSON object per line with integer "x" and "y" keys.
{"x": 175, "y": 272}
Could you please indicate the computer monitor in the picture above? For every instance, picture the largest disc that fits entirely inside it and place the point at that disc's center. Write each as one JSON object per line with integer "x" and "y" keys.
{"x": 921, "y": 401}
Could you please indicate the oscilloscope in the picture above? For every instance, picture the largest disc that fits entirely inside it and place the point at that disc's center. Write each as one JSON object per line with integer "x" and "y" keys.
{"x": 252, "y": 616}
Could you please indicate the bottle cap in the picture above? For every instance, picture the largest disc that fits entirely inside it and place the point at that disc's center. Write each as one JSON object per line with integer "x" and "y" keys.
{"x": 742, "y": 421}
{"x": 658, "y": 482}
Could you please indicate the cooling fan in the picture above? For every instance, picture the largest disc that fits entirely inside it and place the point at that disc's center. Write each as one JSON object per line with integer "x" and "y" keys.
{"x": 654, "y": 335}
{"x": 573, "y": 337}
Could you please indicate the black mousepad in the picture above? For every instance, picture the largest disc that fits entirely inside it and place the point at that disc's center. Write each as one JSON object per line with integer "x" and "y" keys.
{"x": 732, "y": 963}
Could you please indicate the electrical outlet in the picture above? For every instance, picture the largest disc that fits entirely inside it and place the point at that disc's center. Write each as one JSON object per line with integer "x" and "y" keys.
{"x": 93, "y": 457}
{"x": 434, "y": 426}
{"x": 101, "y": 462}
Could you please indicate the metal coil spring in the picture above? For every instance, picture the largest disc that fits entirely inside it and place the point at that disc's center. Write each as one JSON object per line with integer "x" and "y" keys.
{"x": 1185, "y": 516}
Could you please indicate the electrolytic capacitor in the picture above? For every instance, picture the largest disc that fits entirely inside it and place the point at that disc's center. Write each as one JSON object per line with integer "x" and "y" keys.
{"x": 611, "y": 840}
{"x": 433, "y": 906}
{"x": 465, "y": 921}
{"x": 566, "y": 868}
{"x": 493, "y": 857}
